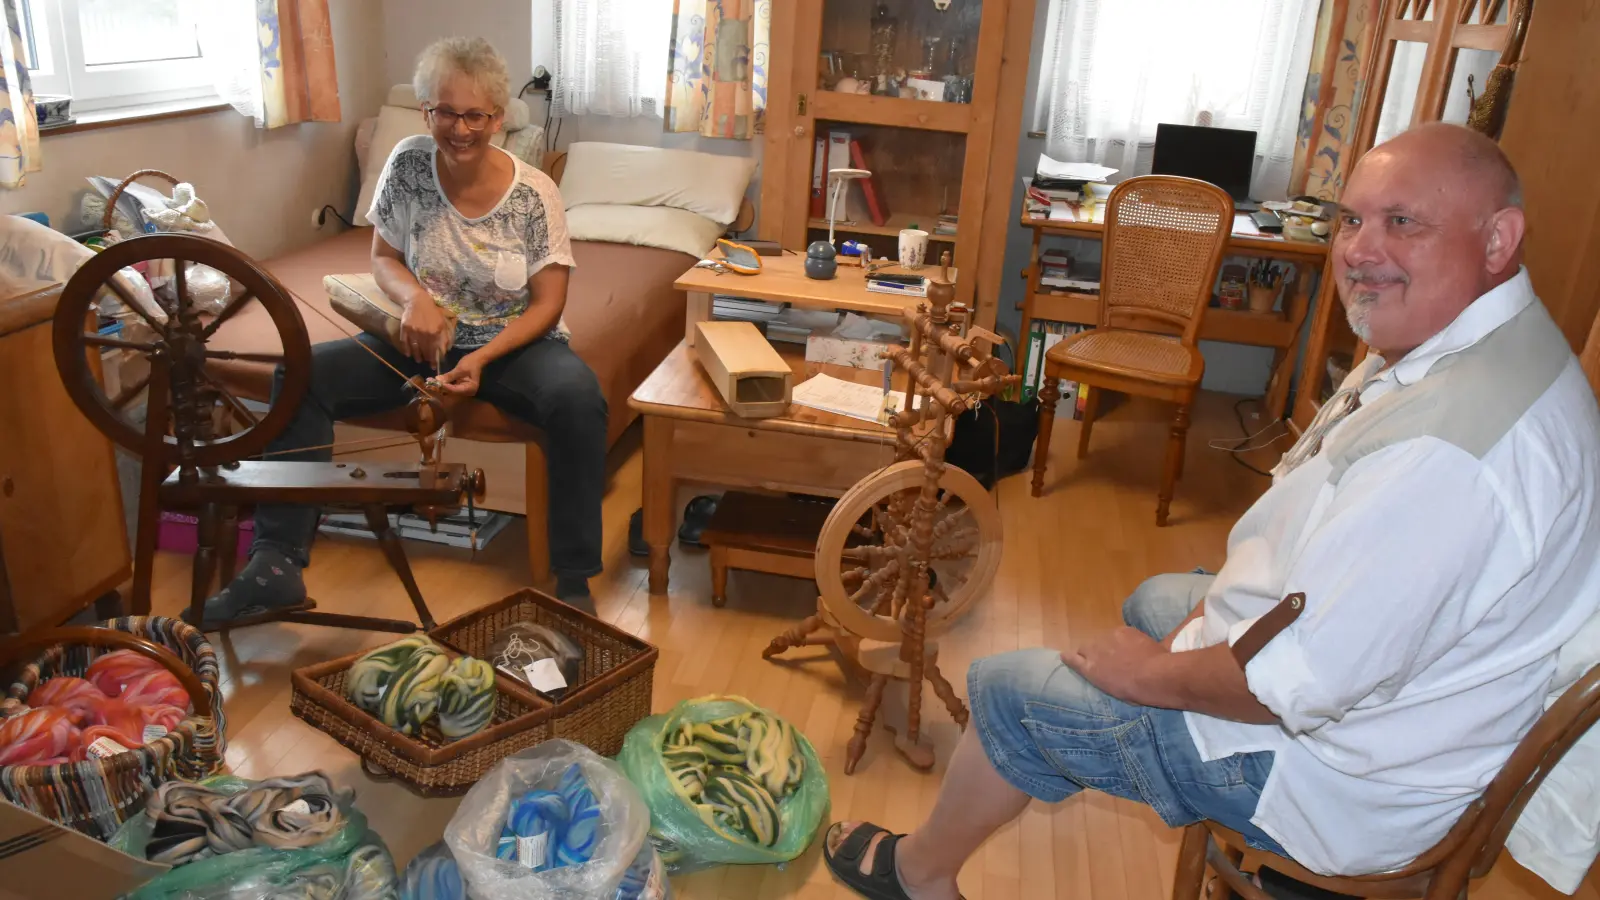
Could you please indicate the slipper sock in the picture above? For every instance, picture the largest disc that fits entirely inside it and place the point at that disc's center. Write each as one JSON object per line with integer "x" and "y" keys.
{"x": 269, "y": 581}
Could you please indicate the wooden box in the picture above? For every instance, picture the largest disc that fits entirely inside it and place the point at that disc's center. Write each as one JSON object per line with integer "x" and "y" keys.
{"x": 753, "y": 379}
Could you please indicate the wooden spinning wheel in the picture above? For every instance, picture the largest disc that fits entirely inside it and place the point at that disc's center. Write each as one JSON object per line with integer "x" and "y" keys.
{"x": 203, "y": 448}
{"x": 909, "y": 549}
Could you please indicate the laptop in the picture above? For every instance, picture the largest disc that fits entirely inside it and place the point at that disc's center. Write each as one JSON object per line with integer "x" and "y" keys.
{"x": 1221, "y": 156}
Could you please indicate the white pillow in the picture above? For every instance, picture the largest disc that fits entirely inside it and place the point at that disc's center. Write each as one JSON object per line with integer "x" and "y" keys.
{"x": 646, "y": 226}
{"x": 704, "y": 183}
{"x": 395, "y": 124}
{"x": 35, "y": 256}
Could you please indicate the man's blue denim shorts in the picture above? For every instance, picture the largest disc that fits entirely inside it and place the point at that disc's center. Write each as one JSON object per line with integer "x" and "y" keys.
{"x": 1050, "y": 733}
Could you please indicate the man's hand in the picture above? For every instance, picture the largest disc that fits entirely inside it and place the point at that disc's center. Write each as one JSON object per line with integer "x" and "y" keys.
{"x": 1118, "y": 664}
{"x": 424, "y": 330}
{"x": 465, "y": 378}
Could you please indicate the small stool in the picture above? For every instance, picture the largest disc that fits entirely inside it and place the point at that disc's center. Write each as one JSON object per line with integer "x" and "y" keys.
{"x": 763, "y": 533}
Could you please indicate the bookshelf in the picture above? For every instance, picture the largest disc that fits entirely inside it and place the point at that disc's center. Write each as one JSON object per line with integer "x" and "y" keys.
{"x": 929, "y": 100}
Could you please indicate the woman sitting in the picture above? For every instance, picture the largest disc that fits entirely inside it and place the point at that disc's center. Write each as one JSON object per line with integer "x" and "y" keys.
{"x": 463, "y": 226}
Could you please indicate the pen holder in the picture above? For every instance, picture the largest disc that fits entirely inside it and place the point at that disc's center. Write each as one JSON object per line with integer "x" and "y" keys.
{"x": 1264, "y": 298}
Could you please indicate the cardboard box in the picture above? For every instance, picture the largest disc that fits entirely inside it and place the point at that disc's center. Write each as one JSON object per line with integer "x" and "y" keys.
{"x": 46, "y": 860}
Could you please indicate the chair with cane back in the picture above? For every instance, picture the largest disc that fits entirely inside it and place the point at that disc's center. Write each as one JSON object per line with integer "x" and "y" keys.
{"x": 1163, "y": 245}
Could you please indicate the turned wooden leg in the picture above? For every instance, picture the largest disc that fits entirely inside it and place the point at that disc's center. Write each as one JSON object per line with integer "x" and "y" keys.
{"x": 1048, "y": 396}
{"x": 228, "y": 546}
{"x": 943, "y": 690}
{"x": 869, "y": 712}
{"x": 719, "y": 576}
{"x": 1169, "y": 474}
{"x": 378, "y": 521}
{"x": 797, "y": 636}
{"x": 658, "y": 511}
{"x": 1090, "y": 408}
{"x": 205, "y": 560}
{"x": 1235, "y": 857}
{"x": 1191, "y": 875}
{"x": 536, "y": 509}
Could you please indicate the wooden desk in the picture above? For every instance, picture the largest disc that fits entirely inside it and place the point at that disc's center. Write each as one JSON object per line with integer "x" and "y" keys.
{"x": 1279, "y": 330}
{"x": 690, "y": 436}
{"x": 783, "y": 279}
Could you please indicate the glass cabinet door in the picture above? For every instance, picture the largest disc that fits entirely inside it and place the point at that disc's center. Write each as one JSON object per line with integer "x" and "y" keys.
{"x": 908, "y": 49}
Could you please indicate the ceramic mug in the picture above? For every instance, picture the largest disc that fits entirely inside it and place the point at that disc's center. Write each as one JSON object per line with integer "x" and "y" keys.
{"x": 913, "y": 247}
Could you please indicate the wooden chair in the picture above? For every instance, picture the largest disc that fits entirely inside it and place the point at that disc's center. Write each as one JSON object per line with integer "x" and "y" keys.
{"x": 1445, "y": 872}
{"x": 1163, "y": 244}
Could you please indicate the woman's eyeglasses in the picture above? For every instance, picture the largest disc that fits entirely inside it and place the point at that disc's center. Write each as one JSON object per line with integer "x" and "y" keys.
{"x": 476, "y": 121}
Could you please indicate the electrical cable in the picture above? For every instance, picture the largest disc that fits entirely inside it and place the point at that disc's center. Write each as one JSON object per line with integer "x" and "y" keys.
{"x": 327, "y": 208}
{"x": 1243, "y": 445}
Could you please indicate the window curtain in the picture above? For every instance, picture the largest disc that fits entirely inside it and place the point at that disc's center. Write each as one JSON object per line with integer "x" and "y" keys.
{"x": 1343, "y": 47}
{"x": 19, "y": 123}
{"x": 1115, "y": 69}
{"x": 611, "y": 59}
{"x": 718, "y": 83}
{"x": 273, "y": 59}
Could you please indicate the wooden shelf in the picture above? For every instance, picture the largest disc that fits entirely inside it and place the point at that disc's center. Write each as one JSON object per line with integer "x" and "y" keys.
{"x": 890, "y": 228}
{"x": 869, "y": 110}
{"x": 1230, "y": 325}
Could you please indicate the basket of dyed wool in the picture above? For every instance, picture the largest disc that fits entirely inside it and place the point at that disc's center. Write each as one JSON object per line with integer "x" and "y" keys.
{"x": 727, "y": 782}
{"x": 600, "y": 693}
{"x": 421, "y": 713}
{"x": 98, "y": 716}
{"x": 554, "y": 821}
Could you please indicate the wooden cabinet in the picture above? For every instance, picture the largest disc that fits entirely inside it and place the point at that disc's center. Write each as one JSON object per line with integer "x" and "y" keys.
{"x": 927, "y": 99}
{"x": 63, "y": 537}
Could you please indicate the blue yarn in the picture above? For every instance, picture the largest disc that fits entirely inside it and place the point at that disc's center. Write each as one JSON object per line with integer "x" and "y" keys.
{"x": 569, "y": 815}
{"x": 433, "y": 875}
{"x": 583, "y": 823}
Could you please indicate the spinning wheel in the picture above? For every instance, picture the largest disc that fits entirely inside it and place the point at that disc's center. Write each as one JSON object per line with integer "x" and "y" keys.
{"x": 201, "y": 446}
{"x": 907, "y": 550}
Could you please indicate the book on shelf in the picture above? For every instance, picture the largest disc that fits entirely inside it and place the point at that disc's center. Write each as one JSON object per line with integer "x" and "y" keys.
{"x": 455, "y": 530}
{"x": 1043, "y": 335}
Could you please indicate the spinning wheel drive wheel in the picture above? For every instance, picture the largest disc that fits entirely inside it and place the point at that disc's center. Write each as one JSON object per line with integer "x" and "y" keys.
{"x": 866, "y": 544}
{"x": 196, "y": 400}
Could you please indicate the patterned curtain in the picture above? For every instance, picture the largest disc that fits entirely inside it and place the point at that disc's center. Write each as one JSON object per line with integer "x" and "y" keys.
{"x": 19, "y": 123}
{"x": 717, "y": 85}
{"x": 298, "y": 80}
{"x": 1345, "y": 36}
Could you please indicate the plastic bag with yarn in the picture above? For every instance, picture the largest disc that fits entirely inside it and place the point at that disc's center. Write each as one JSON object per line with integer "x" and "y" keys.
{"x": 521, "y": 644}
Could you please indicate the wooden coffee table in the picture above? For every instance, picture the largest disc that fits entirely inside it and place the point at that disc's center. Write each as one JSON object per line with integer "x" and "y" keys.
{"x": 689, "y": 436}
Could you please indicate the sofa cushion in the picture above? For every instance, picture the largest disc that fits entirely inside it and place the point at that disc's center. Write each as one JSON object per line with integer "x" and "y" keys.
{"x": 704, "y": 183}
{"x": 646, "y": 226}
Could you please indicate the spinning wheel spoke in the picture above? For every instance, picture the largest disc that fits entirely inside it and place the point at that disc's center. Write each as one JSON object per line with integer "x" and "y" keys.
{"x": 240, "y": 412}
{"x": 100, "y": 340}
{"x": 127, "y": 300}
{"x": 957, "y": 551}
{"x": 180, "y": 286}
{"x": 273, "y": 358}
{"x": 227, "y": 313}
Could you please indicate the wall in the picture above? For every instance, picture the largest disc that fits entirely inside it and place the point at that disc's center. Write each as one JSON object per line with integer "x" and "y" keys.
{"x": 1230, "y": 368}
{"x": 261, "y": 185}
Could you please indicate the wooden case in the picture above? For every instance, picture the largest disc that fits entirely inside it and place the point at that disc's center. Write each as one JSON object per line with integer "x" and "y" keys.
{"x": 753, "y": 379}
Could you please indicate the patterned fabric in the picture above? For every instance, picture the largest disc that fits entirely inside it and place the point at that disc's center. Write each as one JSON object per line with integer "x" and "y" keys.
{"x": 19, "y": 123}
{"x": 299, "y": 82}
{"x": 97, "y": 796}
{"x": 1344, "y": 43}
{"x": 718, "y": 80}
{"x": 476, "y": 268}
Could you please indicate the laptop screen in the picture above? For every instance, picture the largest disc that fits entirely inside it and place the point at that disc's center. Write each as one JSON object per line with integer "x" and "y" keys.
{"x": 1222, "y": 156}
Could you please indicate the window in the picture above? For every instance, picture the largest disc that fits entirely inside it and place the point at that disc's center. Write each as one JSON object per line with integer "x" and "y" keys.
{"x": 107, "y": 54}
{"x": 611, "y": 57}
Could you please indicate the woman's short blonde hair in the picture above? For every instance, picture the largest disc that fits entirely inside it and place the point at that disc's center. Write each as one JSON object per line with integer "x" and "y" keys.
{"x": 475, "y": 58}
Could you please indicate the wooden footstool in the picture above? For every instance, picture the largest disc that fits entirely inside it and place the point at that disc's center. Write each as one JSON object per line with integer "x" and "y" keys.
{"x": 763, "y": 533}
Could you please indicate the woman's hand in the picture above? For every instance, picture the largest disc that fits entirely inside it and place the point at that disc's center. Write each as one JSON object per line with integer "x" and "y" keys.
{"x": 465, "y": 378}
{"x": 424, "y": 330}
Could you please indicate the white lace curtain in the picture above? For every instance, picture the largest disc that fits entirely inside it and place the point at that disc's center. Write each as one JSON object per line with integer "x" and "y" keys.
{"x": 611, "y": 57}
{"x": 228, "y": 43}
{"x": 1114, "y": 69}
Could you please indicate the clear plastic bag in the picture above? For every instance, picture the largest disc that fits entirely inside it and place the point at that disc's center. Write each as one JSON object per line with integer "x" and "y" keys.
{"x": 522, "y": 643}
{"x": 687, "y": 842}
{"x": 433, "y": 875}
{"x": 474, "y": 833}
{"x": 353, "y": 864}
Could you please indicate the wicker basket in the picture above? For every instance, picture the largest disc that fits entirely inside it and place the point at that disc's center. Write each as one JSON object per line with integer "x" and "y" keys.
{"x": 612, "y": 695}
{"x": 615, "y": 682}
{"x": 98, "y": 795}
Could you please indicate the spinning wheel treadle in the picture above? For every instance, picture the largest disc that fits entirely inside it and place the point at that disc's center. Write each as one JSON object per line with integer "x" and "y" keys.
{"x": 194, "y": 425}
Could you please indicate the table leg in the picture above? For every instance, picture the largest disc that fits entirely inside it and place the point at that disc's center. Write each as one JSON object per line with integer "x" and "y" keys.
{"x": 699, "y": 311}
{"x": 658, "y": 497}
{"x": 1283, "y": 367}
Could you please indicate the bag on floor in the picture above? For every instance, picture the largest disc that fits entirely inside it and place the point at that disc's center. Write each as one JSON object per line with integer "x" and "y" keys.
{"x": 351, "y": 864}
{"x": 527, "y": 832}
{"x": 727, "y": 782}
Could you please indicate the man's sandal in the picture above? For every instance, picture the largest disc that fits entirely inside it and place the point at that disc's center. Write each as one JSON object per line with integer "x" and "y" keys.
{"x": 845, "y": 863}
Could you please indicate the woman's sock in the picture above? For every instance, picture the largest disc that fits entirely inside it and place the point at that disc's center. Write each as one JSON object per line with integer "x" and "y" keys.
{"x": 269, "y": 581}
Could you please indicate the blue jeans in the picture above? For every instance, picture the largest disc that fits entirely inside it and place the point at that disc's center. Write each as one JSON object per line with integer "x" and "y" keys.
{"x": 543, "y": 383}
{"x": 1051, "y": 733}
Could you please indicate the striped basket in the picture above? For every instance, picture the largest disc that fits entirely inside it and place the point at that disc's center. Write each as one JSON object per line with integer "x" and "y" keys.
{"x": 96, "y": 796}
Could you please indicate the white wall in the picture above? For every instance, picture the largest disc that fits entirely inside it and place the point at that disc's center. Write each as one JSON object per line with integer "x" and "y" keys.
{"x": 261, "y": 185}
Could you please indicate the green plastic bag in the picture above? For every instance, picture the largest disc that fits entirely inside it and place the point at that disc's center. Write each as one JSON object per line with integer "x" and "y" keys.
{"x": 687, "y": 843}
{"x": 353, "y": 864}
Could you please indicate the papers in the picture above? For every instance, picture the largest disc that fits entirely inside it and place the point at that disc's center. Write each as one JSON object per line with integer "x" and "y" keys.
{"x": 1075, "y": 171}
{"x": 1243, "y": 224}
{"x": 847, "y": 398}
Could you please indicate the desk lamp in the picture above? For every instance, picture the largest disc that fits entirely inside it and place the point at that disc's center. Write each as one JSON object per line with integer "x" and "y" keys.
{"x": 821, "y": 257}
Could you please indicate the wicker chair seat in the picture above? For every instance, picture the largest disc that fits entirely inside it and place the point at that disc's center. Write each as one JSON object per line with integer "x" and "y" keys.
{"x": 1153, "y": 356}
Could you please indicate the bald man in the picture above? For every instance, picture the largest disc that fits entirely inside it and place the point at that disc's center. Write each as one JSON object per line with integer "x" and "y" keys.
{"x": 1439, "y": 519}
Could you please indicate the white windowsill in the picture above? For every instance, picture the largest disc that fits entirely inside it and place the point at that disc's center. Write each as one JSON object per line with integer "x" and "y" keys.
{"x": 143, "y": 112}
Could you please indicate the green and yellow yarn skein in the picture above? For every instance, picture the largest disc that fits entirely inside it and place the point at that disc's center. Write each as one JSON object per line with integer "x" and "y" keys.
{"x": 466, "y": 698}
{"x": 406, "y": 683}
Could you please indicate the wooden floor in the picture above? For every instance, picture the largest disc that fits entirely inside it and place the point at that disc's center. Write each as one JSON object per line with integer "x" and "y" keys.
{"x": 1070, "y": 558}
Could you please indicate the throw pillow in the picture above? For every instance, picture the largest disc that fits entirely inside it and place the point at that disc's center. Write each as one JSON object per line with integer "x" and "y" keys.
{"x": 705, "y": 183}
